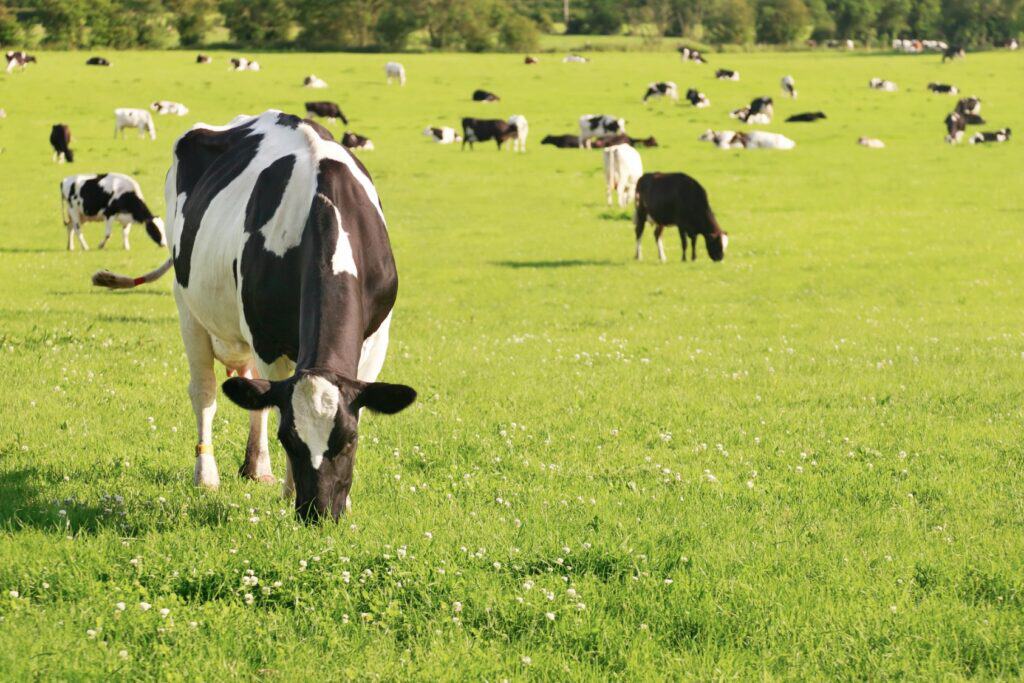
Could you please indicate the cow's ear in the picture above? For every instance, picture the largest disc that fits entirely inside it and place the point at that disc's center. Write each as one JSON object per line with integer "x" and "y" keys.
{"x": 381, "y": 397}
{"x": 251, "y": 394}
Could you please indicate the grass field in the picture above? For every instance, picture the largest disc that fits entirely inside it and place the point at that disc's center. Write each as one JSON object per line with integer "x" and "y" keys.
{"x": 803, "y": 462}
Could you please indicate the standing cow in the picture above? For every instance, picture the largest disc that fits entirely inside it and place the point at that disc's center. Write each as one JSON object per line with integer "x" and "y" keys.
{"x": 622, "y": 169}
{"x": 326, "y": 110}
{"x": 394, "y": 70}
{"x": 283, "y": 273}
{"x": 18, "y": 59}
{"x": 522, "y": 127}
{"x": 108, "y": 197}
{"x": 134, "y": 118}
{"x": 60, "y": 140}
{"x": 677, "y": 199}
{"x": 789, "y": 86}
{"x": 482, "y": 130}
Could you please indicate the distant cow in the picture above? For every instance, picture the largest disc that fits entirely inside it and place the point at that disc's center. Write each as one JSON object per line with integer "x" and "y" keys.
{"x": 873, "y": 143}
{"x": 108, "y": 197}
{"x": 134, "y": 118}
{"x": 759, "y": 111}
{"x": 395, "y": 71}
{"x": 677, "y": 199}
{"x": 203, "y": 59}
{"x": 621, "y": 139}
{"x": 882, "y": 84}
{"x": 689, "y": 54}
{"x": 311, "y": 81}
{"x": 755, "y": 139}
{"x": 1010, "y": 44}
{"x": 956, "y": 124}
{"x": 993, "y": 136}
{"x": 60, "y": 140}
{"x": 969, "y": 105}
{"x": 165, "y": 107}
{"x": 806, "y": 117}
{"x": 943, "y": 89}
{"x": 574, "y": 59}
{"x": 356, "y": 141}
{"x": 97, "y": 61}
{"x": 697, "y": 99}
{"x": 789, "y": 86}
{"x": 598, "y": 125}
{"x": 484, "y": 96}
{"x": 445, "y": 135}
{"x": 562, "y": 141}
{"x": 529, "y": 60}
{"x": 662, "y": 89}
{"x": 522, "y": 127}
{"x": 953, "y": 52}
{"x": 326, "y": 110}
{"x": 622, "y": 169}
{"x": 244, "y": 64}
{"x": 727, "y": 75}
{"x": 18, "y": 59}
{"x": 482, "y": 130}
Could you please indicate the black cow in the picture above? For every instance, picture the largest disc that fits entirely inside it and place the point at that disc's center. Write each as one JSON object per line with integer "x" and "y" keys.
{"x": 203, "y": 59}
{"x": 327, "y": 110}
{"x": 356, "y": 141}
{"x": 529, "y": 60}
{"x": 943, "y": 88}
{"x": 482, "y": 130}
{"x": 953, "y": 52}
{"x": 806, "y": 117}
{"x": 60, "y": 140}
{"x": 97, "y": 61}
{"x": 677, "y": 199}
{"x": 622, "y": 139}
{"x": 484, "y": 96}
{"x": 956, "y": 124}
{"x": 991, "y": 136}
{"x": 727, "y": 75}
{"x": 562, "y": 141}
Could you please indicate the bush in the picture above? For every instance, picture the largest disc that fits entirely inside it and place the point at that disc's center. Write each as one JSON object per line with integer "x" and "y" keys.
{"x": 601, "y": 17}
{"x": 780, "y": 22}
{"x": 192, "y": 19}
{"x": 519, "y": 33}
{"x": 257, "y": 22}
{"x": 394, "y": 26}
{"x": 730, "y": 21}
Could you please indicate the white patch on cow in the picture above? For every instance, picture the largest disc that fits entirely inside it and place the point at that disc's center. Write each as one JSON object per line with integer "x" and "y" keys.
{"x": 342, "y": 261}
{"x": 725, "y": 241}
{"x": 315, "y": 403}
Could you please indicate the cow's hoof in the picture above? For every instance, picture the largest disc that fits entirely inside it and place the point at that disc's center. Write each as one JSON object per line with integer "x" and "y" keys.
{"x": 205, "y": 475}
{"x": 267, "y": 479}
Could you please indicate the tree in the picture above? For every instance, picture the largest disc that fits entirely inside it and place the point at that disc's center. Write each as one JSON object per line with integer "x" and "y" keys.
{"x": 193, "y": 19}
{"x": 394, "y": 25}
{"x": 10, "y": 31}
{"x": 518, "y": 33}
{"x": 257, "y": 22}
{"x": 780, "y": 22}
{"x": 730, "y": 21}
{"x": 822, "y": 25}
{"x": 854, "y": 18}
{"x": 602, "y": 17}
{"x": 64, "y": 23}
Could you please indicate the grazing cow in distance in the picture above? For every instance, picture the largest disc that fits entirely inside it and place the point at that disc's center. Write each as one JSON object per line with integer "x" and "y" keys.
{"x": 562, "y": 141}
{"x": 697, "y": 99}
{"x": 882, "y": 84}
{"x": 621, "y": 139}
{"x": 482, "y": 130}
{"x": 943, "y": 89}
{"x": 1002, "y": 135}
{"x": 755, "y": 139}
{"x": 522, "y": 127}
{"x": 969, "y": 105}
{"x": 326, "y": 110}
{"x": 622, "y": 169}
{"x": 806, "y": 117}
{"x": 529, "y": 60}
{"x": 789, "y": 86}
{"x": 134, "y": 118}
{"x": 165, "y": 107}
{"x": 484, "y": 96}
{"x": 60, "y": 140}
{"x": 953, "y": 52}
{"x": 283, "y": 272}
{"x": 679, "y": 200}
{"x": 311, "y": 81}
{"x": 689, "y": 54}
{"x": 873, "y": 143}
{"x": 759, "y": 111}
{"x": 203, "y": 59}
{"x": 662, "y": 89}
{"x": 444, "y": 135}
{"x": 356, "y": 141}
{"x": 727, "y": 75}
{"x": 108, "y": 197}
{"x": 18, "y": 59}
{"x": 574, "y": 59}
{"x": 1010, "y": 44}
{"x": 394, "y": 70}
{"x": 244, "y": 64}
{"x": 97, "y": 61}
{"x": 956, "y": 124}
{"x": 599, "y": 125}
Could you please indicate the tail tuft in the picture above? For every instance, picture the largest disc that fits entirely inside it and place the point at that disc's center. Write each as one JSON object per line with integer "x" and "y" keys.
{"x": 104, "y": 278}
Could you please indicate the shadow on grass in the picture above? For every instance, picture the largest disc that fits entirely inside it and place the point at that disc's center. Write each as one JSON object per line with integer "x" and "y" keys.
{"x": 91, "y": 290}
{"x": 29, "y": 250}
{"x": 561, "y": 263}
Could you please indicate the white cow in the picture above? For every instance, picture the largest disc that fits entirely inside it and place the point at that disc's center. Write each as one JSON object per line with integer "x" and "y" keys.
{"x": 394, "y": 70}
{"x": 522, "y": 130}
{"x": 109, "y": 197}
{"x": 134, "y": 118}
{"x": 445, "y": 135}
{"x": 574, "y": 59}
{"x": 789, "y": 86}
{"x": 872, "y": 143}
{"x": 756, "y": 139}
{"x": 311, "y": 81}
{"x": 622, "y": 169}
{"x": 244, "y": 64}
{"x": 165, "y": 107}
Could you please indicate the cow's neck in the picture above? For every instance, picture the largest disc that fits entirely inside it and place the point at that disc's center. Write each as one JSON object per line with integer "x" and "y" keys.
{"x": 331, "y": 319}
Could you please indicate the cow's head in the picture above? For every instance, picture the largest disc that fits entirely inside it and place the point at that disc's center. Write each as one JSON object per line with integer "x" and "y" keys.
{"x": 716, "y": 242}
{"x": 319, "y": 429}
{"x": 155, "y": 230}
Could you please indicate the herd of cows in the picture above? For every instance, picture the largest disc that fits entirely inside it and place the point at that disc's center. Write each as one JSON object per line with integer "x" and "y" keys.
{"x": 283, "y": 269}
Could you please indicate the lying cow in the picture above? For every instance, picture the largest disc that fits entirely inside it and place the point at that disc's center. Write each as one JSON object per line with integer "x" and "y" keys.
{"x": 622, "y": 169}
{"x": 943, "y": 89}
{"x": 203, "y": 59}
{"x": 244, "y": 64}
{"x": 993, "y": 136}
{"x": 599, "y": 125}
{"x": 522, "y": 127}
{"x": 284, "y": 273}
{"x": 677, "y": 199}
{"x": 356, "y": 141}
{"x": 789, "y": 86}
{"x": 60, "y": 140}
{"x": 689, "y": 54}
{"x": 166, "y": 107}
{"x": 697, "y": 99}
{"x": 394, "y": 71}
{"x": 445, "y": 135}
{"x": 873, "y": 143}
{"x": 574, "y": 59}
{"x": 882, "y": 84}
{"x": 312, "y": 81}
{"x": 97, "y": 61}
{"x": 806, "y": 117}
{"x": 18, "y": 59}
{"x": 759, "y": 111}
{"x": 482, "y": 130}
{"x": 562, "y": 141}
{"x": 969, "y": 105}
{"x": 108, "y": 197}
{"x": 756, "y": 139}
{"x": 621, "y": 139}
{"x": 484, "y": 96}
{"x": 134, "y": 118}
{"x": 953, "y": 52}
{"x": 662, "y": 89}
{"x": 956, "y": 124}
{"x": 529, "y": 60}
{"x": 727, "y": 75}
{"x": 326, "y": 110}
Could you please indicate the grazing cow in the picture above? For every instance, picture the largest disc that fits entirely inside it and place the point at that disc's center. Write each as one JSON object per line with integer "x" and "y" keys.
{"x": 727, "y": 75}
{"x": 484, "y": 96}
{"x": 108, "y": 197}
{"x": 394, "y": 70}
{"x": 204, "y": 59}
{"x": 882, "y": 84}
{"x": 599, "y": 125}
{"x": 284, "y": 273}
{"x": 755, "y": 139}
{"x": 943, "y": 89}
{"x": 806, "y": 117}
{"x": 1010, "y": 44}
{"x": 574, "y": 59}
{"x": 19, "y": 59}
{"x": 697, "y": 99}
{"x": 165, "y": 107}
{"x": 444, "y": 135}
{"x": 622, "y": 169}
{"x": 562, "y": 141}
{"x": 97, "y": 61}
{"x": 311, "y": 81}
{"x": 621, "y": 139}
{"x": 326, "y": 110}
{"x": 953, "y": 52}
{"x": 689, "y": 54}
{"x": 679, "y": 200}
{"x": 60, "y": 140}
{"x": 789, "y": 86}
{"x": 482, "y": 130}
{"x": 244, "y": 64}
{"x": 969, "y": 105}
{"x": 356, "y": 141}
{"x": 662, "y": 89}
{"x": 134, "y": 118}
{"x": 522, "y": 127}
{"x": 759, "y": 111}
{"x": 873, "y": 143}
{"x": 956, "y": 124}
{"x": 529, "y": 60}
{"x": 991, "y": 136}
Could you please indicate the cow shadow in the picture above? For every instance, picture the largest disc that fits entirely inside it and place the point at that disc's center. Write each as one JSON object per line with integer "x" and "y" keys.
{"x": 29, "y": 250}
{"x": 559, "y": 263}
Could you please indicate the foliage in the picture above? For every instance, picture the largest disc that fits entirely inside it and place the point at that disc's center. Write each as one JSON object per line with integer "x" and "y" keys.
{"x": 781, "y": 21}
{"x": 730, "y": 21}
{"x": 600, "y": 17}
{"x": 257, "y": 22}
{"x": 519, "y": 33}
{"x": 10, "y": 30}
{"x": 193, "y": 19}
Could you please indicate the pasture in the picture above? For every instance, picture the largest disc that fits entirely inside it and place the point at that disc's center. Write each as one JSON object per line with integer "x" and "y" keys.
{"x": 802, "y": 462}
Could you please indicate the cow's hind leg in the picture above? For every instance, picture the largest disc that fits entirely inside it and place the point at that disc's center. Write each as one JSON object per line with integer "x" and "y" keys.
{"x": 202, "y": 390}
{"x": 108, "y": 227}
{"x": 256, "y": 465}
{"x": 639, "y": 220}
{"x": 658, "y": 230}
{"x": 125, "y": 229}
{"x": 81, "y": 237}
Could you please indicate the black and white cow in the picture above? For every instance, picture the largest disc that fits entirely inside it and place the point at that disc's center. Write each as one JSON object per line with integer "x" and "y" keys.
{"x": 165, "y": 107}
{"x": 755, "y": 139}
{"x": 991, "y": 136}
{"x": 284, "y": 274}
{"x": 727, "y": 75}
{"x": 788, "y": 84}
{"x": 697, "y": 98}
{"x": 599, "y": 125}
{"x": 882, "y": 84}
{"x": 969, "y": 105}
{"x": 60, "y": 140}
{"x": 108, "y": 197}
{"x": 953, "y": 52}
{"x": 18, "y": 59}
{"x": 956, "y": 124}
{"x": 445, "y": 135}
{"x": 677, "y": 199}
{"x": 484, "y": 96}
{"x": 244, "y": 64}
{"x": 482, "y": 130}
{"x": 203, "y": 59}
{"x": 314, "y": 81}
{"x": 662, "y": 89}
{"x": 562, "y": 141}
{"x": 943, "y": 89}
{"x": 356, "y": 141}
{"x": 690, "y": 54}
{"x": 97, "y": 61}
{"x": 806, "y": 117}
{"x": 759, "y": 111}
{"x": 326, "y": 110}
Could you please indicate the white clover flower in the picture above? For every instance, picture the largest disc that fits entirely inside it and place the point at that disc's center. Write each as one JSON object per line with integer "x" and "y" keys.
{"x": 120, "y": 607}
{"x": 427, "y": 535}
{"x": 123, "y": 654}
{"x": 249, "y": 599}
{"x": 550, "y": 616}
{"x": 13, "y": 593}
{"x": 526, "y": 660}
{"x": 91, "y": 632}
{"x": 144, "y": 606}
{"x": 457, "y": 606}
{"x": 165, "y": 612}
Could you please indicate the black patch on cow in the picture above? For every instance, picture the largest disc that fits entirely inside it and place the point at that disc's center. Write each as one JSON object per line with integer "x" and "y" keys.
{"x": 129, "y": 203}
{"x": 94, "y": 198}
{"x": 288, "y": 120}
{"x": 234, "y": 271}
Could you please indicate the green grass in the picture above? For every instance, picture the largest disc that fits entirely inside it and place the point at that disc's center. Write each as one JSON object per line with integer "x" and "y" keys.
{"x": 817, "y": 441}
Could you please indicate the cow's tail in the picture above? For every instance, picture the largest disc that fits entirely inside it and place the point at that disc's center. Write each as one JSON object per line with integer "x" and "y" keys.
{"x": 65, "y": 211}
{"x": 104, "y": 278}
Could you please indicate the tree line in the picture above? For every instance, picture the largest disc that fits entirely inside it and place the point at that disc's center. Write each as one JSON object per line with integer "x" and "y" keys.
{"x": 481, "y": 25}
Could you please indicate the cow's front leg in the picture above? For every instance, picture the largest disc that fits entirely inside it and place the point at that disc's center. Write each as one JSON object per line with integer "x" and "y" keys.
{"x": 202, "y": 390}
{"x": 107, "y": 229}
{"x": 288, "y": 490}
{"x": 81, "y": 237}
{"x": 256, "y": 465}
{"x": 693, "y": 248}
{"x": 125, "y": 229}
